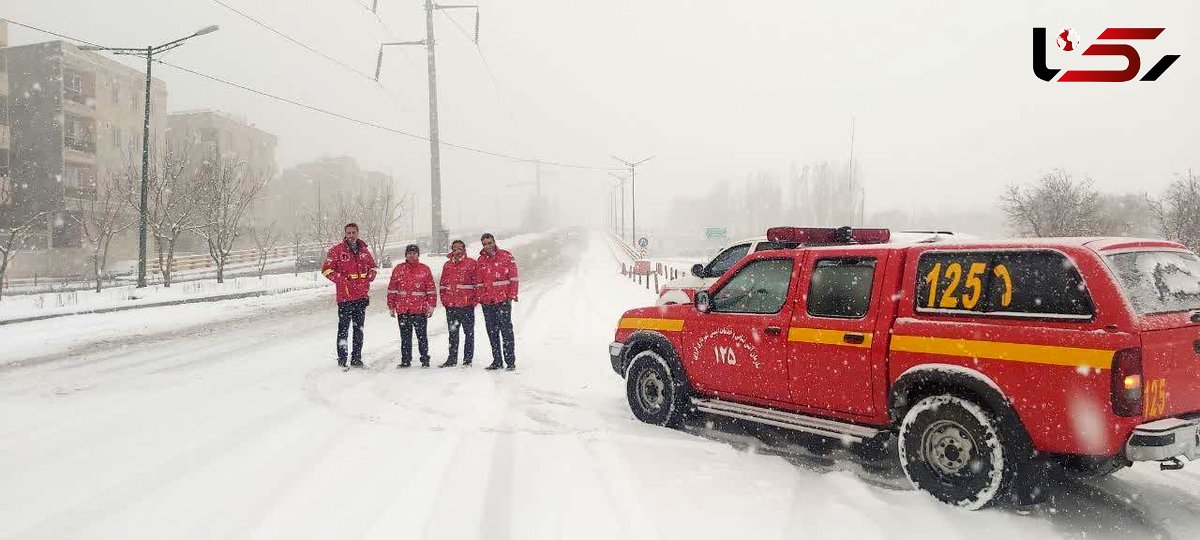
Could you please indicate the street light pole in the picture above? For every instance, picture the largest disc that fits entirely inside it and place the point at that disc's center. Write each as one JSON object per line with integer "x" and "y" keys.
{"x": 149, "y": 53}
{"x": 633, "y": 193}
{"x": 622, "y": 179}
{"x": 438, "y": 233}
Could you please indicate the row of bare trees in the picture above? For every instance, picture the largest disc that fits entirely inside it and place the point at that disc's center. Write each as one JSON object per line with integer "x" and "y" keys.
{"x": 190, "y": 189}
{"x": 193, "y": 190}
{"x": 819, "y": 193}
{"x": 377, "y": 207}
{"x": 1058, "y": 204}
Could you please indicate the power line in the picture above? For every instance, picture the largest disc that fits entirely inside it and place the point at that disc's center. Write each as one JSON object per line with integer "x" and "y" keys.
{"x": 375, "y": 125}
{"x": 309, "y": 48}
{"x": 331, "y": 113}
{"x": 44, "y": 31}
{"x": 293, "y": 40}
{"x": 479, "y": 50}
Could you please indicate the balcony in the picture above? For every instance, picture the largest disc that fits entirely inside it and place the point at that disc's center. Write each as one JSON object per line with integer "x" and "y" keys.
{"x": 78, "y": 102}
{"x": 86, "y": 145}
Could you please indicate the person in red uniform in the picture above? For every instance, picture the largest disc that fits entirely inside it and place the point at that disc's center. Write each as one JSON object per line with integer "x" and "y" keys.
{"x": 351, "y": 268}
{"x": 411, "y": 299}
{"x": 458, "y": 296}
{"x": 496, "y": 291}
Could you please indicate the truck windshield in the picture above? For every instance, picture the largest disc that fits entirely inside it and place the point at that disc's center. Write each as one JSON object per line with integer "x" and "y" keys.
{"x": 1159, "y": 281}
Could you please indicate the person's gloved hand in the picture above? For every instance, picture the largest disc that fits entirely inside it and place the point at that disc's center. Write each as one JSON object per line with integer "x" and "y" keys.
{"x": 428, "y": 313}
{"x": 392, "y": 313}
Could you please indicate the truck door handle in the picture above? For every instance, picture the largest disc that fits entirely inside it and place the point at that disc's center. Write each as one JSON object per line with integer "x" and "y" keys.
{"x": 773, "y": 330}
{"x": 1196, "y": 346}
{"x": 854, "y": 339}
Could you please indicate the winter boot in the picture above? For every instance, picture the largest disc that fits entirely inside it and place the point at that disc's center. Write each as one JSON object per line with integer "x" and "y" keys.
{"x": 450, "y": 362}
{"x": 356, "y": 362}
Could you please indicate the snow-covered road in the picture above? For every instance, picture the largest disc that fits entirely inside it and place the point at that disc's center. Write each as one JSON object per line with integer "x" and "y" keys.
{"x": 235, "y": 423}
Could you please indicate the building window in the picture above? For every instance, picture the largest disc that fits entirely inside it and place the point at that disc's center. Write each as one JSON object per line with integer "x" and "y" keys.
{"x": 6, "y": 189}
{"x": 78, "y": 134}
{"x": 79, "y": 176}
{"x": 116, "y": 92}
{"x": 116, "y": 137}
{"x": 73, "y": 87}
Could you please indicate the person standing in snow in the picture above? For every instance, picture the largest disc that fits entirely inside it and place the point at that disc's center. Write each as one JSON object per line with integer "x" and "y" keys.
{"x": 459, "y": 277}
{"x": 351, "y": 268}
{"x": 496, "y": 291}
{"x": 411, "y": 299}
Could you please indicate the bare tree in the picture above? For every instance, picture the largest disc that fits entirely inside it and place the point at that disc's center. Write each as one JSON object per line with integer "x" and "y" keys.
{"x": 1055, "y": 205}
{"x": 1177, "y": 212}
{"x": 265, "y": 239}
{"x": 172, "y": 198}
{"x": 13, "y": 239}
{"x": 103, "y": 217}
{"x": 228, "y": 189}
{"x": 383, "y": 212}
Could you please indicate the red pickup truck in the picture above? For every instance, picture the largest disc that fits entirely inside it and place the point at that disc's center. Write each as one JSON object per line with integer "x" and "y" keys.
{"x": 989, "y": 363}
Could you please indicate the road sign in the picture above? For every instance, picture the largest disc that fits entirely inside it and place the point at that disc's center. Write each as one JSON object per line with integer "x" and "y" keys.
{"x": 643, "y": 242}
{"x": 714, "y": 233}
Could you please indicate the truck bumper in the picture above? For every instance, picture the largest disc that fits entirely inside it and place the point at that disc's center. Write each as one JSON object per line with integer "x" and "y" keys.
{"x": 614, "y": 356}
{"x": 1165, "y": 438}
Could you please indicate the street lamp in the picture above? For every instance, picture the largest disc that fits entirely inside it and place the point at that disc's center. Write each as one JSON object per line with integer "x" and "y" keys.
{"x": 149, "y": 53}
{"x": 633, "y": 194}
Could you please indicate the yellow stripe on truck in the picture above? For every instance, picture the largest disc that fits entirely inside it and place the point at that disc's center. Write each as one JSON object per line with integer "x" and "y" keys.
{"x": 664, "y": 325}
{"x": 999, "y": 350}
{"x": 827, "y": 337}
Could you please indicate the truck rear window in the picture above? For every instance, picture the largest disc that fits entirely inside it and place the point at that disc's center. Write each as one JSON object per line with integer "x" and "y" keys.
{"x": 1159, "y": 281}
{"x": 1036, "y": 284}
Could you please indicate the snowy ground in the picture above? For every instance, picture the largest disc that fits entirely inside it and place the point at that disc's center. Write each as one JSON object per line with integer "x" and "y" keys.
{"x": 230, "y": 420}
{"x": 58, "y": 303}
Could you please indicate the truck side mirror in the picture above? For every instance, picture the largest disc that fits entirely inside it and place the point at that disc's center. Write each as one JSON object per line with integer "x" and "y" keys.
{"x": 698, "y": 270}
{"x": 703, "y": 302}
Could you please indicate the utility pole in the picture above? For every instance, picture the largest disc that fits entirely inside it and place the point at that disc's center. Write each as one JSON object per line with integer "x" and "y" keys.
{"x": 622, "y": 179}
{"x": 437, "y": 231}
{"x": 149, "y": 53}
{"x": 633, "y": 193}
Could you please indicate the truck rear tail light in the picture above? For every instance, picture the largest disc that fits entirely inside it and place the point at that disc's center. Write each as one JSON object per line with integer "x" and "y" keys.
{"x": 1127, "y": 382}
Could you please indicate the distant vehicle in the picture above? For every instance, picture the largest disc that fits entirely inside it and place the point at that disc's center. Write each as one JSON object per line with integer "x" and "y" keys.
{"x": 310, "y": 260}
{"x": 683, "y": 289}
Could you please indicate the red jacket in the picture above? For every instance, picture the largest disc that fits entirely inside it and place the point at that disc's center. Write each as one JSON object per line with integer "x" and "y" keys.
{"x": 458, "y": 282}
{"x": 411, "y": 289}
{"x": 497, "y": 277}
{"x": 350, "y": 272}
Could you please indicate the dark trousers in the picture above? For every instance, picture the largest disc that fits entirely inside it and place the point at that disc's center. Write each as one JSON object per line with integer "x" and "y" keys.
{"x": 461, "y": 317}
{"x": 498, "y": 319}
{"x": 409, "y": 323}
{"x": 354, "y": 311}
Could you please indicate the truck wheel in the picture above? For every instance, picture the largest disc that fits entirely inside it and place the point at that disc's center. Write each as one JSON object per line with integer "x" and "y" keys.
{"x": 656, "y": 395}
{"x": 951, "y": 448}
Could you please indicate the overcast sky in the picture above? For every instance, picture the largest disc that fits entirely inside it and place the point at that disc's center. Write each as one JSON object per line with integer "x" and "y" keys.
{"x": 946, "y": 107}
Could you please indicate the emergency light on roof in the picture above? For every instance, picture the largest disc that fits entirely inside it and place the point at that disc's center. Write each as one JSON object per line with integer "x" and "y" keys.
{"x": 827, "y": 235}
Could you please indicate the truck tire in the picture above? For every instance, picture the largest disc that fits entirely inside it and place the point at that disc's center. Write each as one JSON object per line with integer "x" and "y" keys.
{"x": 656, "y": 394}
{"x": 952, "y": 449}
